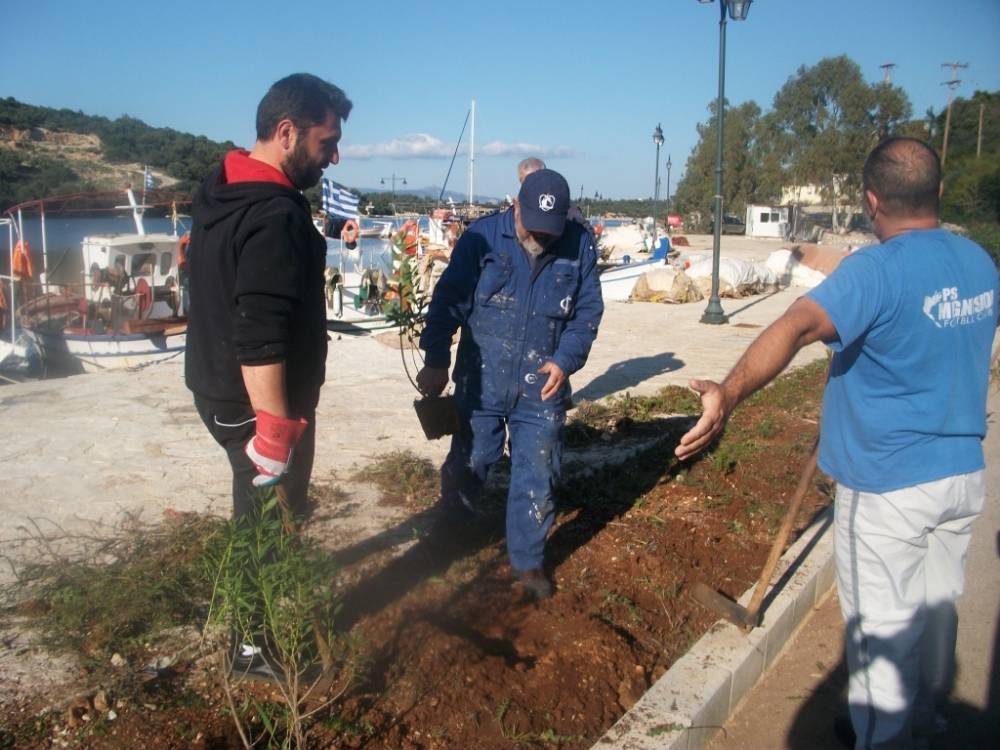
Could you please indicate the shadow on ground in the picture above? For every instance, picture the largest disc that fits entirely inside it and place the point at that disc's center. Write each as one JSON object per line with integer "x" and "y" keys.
{"x": 628, "y": 374}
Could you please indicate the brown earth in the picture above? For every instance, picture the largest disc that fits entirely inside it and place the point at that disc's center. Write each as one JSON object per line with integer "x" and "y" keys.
{"x": 458, "y": 658}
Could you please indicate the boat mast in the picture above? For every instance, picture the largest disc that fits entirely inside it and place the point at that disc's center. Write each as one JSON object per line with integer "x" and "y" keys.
{"x": 137, "y": 211}
{"x": 472, "y": 154}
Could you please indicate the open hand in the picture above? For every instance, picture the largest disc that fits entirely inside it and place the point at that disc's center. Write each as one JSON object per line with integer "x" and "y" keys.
{"x": 715, "y": 412}
{"x": 556, "y": 379}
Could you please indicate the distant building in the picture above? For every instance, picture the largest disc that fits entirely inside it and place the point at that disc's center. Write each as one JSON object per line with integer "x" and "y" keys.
{"x": 768, "y": 221}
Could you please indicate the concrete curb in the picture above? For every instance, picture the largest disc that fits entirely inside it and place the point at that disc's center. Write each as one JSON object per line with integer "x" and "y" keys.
{"x": 689, "y": 704}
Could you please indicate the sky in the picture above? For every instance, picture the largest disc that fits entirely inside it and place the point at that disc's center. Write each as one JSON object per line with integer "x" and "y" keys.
{"x": 580, "y": 84}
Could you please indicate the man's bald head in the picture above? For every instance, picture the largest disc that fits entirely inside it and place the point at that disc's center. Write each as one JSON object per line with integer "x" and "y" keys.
{"x": 905, "y": 176}
{"x": 527, "y": 166}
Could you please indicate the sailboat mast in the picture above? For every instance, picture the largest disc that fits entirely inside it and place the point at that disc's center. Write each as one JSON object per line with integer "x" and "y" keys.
{"x": 472, "y": 154}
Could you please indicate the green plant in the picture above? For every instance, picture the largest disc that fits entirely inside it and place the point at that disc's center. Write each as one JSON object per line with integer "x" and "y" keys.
{"x": 119, "y": 590}
{"x": 274, "y": 588}
{"x": 731, "y": 453}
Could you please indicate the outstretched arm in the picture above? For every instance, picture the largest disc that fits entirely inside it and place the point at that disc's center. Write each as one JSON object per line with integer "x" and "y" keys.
{"x": 802, "y": 324}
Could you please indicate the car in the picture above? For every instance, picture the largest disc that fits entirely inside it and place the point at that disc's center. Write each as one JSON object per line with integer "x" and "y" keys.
{"x": 730, "y": 225}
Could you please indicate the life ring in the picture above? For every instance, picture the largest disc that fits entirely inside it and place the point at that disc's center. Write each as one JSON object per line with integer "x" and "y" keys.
{"x": 411, "y": 236}
{"x": 350, "y": 231}
{"x": 22, "y": 268}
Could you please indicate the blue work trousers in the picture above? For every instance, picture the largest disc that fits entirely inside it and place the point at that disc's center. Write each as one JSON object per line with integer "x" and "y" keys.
{"x": 536, "y": 454}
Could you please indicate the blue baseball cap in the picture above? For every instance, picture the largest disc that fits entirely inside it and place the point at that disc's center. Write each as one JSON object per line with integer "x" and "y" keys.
{"x": 544, "y": 201}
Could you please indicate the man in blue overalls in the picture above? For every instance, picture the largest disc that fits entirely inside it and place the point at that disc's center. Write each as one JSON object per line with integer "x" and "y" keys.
{"x": 523, "y": 287}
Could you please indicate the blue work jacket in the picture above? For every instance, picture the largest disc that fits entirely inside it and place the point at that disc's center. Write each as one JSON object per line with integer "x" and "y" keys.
{"x": 514, "y": 316}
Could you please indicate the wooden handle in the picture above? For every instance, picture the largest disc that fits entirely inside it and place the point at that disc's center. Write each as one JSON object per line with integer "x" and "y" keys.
{"x": 808, "y": 472}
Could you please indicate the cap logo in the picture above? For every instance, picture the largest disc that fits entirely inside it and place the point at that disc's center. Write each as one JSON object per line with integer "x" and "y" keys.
{"x": 546, "y": 201}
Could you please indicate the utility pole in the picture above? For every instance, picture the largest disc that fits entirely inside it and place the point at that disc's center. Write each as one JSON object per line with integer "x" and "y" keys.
{"x": 887, "y": 73}
{"x": 979, "y": 138}
{"x": 952, "y": 85}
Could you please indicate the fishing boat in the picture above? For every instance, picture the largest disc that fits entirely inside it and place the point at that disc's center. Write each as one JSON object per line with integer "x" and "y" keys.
{"x": 618, "y": 281}
{"x": 125, "y": 311}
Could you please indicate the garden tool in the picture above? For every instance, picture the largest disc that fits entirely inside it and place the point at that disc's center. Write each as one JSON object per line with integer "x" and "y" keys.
{"x": 749, "y": 617}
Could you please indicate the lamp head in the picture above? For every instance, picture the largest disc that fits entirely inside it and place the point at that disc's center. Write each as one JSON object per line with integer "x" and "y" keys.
{"x": 738, "y": 9}
{"x": 658, "y": 135}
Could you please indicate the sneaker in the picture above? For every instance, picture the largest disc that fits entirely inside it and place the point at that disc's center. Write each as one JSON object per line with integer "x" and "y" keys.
{"x": 249, "y": 664}
{"x": 535, "y": 583}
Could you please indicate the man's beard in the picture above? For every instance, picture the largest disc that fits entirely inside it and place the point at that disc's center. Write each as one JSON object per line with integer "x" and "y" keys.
{"x": 300, "y": 170}
{"x": 532, "y": 246}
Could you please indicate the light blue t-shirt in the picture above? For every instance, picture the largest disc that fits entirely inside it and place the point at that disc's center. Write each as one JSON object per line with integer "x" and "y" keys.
{"x": 906, "y": 399}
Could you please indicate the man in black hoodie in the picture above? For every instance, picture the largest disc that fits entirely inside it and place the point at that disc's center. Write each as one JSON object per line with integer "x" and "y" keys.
{"x": 256, "y": 341}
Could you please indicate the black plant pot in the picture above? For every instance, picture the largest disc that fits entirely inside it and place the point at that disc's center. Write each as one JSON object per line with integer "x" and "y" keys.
{"x": 438, "y": 416}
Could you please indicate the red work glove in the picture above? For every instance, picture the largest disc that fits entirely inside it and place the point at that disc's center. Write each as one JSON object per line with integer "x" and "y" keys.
{"x": 271, "y": 448}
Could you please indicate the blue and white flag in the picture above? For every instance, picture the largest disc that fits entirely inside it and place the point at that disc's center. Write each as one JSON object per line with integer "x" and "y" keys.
{"x": 150, "y": 182}
{"x": 339, "y": 201}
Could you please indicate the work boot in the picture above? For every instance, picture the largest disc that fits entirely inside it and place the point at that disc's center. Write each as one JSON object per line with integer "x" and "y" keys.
{"x": 535, "y": 583}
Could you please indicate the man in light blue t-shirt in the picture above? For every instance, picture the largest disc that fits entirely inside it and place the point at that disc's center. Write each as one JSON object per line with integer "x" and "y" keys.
{"x": 911, "y": 323}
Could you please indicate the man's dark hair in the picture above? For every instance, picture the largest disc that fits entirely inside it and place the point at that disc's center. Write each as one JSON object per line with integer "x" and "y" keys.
{"x": 905, "y": 175}
{"x": 302, "y": 98}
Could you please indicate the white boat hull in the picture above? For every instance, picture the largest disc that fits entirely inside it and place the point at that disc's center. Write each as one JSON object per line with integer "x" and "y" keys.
{"x": 95, "y": 353}
{"x": 618, "y": 283}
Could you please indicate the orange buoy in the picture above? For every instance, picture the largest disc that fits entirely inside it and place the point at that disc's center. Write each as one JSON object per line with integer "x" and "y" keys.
{"x": 23, "y": 269}
{"x": 350, "y": 231}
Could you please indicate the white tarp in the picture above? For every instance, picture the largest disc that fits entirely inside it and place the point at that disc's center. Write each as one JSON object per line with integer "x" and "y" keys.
{"x": 791, "y": 272}
{"x": 737, "y": 278}
{"x": 627, "y": 239}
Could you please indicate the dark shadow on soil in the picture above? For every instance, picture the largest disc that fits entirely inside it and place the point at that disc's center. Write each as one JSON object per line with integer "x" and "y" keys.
{"x": 628, "y": 374}
{"x": 437, "y": 549}
{"x": 598, "y": 498}
{"x": 604, "y": 496}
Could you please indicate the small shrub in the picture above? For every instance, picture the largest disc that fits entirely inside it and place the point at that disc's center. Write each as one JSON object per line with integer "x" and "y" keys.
{"x": 402, "y": 477}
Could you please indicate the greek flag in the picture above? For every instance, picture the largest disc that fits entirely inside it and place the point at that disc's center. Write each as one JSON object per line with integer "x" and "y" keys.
{"x": 150, "y": 182}
{"x": 339, "y": 201}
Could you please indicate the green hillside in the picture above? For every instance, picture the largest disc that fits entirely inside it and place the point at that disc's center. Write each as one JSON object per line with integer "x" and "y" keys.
{"x": 46, "y": 151}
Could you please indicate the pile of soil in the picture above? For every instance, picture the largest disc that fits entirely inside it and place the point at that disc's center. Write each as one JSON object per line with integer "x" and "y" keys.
{"x": 458, "y": 657}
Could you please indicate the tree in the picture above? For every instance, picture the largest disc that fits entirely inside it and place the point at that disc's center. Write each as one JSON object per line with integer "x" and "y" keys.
{"x": 752, "y": 169}
{"x": 829, "y": 119}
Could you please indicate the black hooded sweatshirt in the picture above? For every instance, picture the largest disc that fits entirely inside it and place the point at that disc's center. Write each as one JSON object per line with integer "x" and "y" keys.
{"x": 256, "y": 263}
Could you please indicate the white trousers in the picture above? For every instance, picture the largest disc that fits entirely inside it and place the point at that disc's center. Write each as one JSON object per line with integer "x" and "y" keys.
{"x": 900, "y": 559}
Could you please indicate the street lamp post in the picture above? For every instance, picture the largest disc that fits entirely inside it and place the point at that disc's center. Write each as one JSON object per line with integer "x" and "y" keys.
{"x": 668, "y": 193}
{"x": 658, "y": 140}
{"x": 738, "y": 10}
{"x": 393, "y": 181}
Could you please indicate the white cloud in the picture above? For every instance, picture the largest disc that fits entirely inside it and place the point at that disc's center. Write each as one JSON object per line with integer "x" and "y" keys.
{"x": 499, "y": 148}
{"x": 413, "y": 146}
{"x": 425, "y": 146}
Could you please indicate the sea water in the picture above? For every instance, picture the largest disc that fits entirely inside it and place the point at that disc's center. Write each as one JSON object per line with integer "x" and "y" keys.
{"x": 63, "y": 236}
